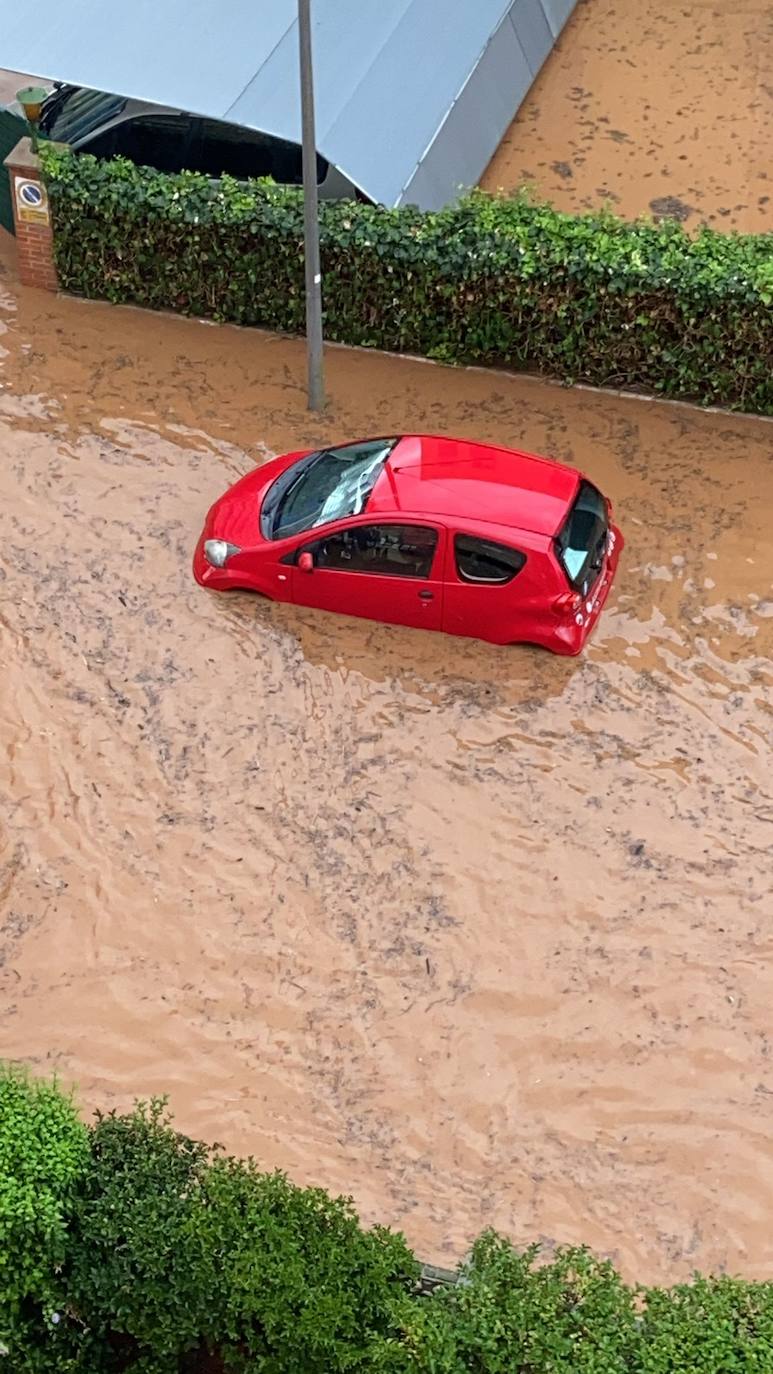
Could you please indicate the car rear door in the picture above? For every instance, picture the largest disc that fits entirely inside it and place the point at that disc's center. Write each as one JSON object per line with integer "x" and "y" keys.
{"x": 492, "y": 588}
{"x": 388, "y": 570}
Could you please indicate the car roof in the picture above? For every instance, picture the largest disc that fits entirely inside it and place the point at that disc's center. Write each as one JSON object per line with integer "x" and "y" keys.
{"x": 457, "y": 478}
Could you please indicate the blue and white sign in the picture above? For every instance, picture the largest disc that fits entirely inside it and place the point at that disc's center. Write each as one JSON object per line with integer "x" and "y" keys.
{"x": 31, "y": 194}
{"x": 31, "y": 201}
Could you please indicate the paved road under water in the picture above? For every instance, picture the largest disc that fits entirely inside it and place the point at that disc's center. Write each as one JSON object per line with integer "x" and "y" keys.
{"x": 652, "y": 108}
{"x": 480, "y": 935}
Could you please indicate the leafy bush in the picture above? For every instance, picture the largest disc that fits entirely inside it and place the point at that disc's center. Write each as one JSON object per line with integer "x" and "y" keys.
{"x": 160, "y": 1255}
{"x": 302, "y": 1286}
{"x": 573, "y": 1315}
{"x": 710, "y": 1326}
{"x": 43, "y": 1156}
{"x": 492, "y": 281}
{"x": 177, "y": 1249}
{"x": 141, "y": 1274}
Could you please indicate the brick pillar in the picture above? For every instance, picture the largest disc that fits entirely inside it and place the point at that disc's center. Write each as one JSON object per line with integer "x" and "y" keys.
{"x": 31, "y": 214}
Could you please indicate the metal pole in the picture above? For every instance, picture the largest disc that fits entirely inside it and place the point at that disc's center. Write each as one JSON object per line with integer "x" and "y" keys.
{"x": 314, "y": 356}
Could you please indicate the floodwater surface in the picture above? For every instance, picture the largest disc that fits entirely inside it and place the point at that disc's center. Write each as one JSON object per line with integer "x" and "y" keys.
{"x": 480, "y": 935}
{"x": 652, "y": 108}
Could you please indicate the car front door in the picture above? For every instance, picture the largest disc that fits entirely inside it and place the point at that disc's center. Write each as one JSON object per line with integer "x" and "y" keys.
{"x": 385, "y": 570}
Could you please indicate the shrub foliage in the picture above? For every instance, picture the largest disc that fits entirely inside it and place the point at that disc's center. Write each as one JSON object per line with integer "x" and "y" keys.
{"x": 159, "y": 1255}
{"x": 43, "y": 1157}
{"x": 178, "y": 1250}
{"x": 494, "y": 281}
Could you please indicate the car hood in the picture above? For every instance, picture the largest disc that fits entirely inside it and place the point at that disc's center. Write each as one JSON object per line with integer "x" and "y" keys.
{"x": 236, "y": 515}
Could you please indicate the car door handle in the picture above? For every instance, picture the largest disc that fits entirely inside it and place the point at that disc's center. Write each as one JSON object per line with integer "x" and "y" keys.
{"x": 426, "y": 596}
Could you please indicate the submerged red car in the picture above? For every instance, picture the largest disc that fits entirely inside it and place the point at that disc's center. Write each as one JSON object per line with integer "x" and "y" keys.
{"x": 441, "y": 534}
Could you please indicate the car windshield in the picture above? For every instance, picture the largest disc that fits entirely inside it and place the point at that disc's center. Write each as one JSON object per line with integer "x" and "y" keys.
{"x": 327, "y": 486}
{"x": 582, "y": 541}
{"x": 71, "y": 113}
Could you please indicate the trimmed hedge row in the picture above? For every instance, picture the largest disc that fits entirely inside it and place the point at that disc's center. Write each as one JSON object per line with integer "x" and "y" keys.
{"x": 127, "y": 1246}
{"x": 493, "y": 281}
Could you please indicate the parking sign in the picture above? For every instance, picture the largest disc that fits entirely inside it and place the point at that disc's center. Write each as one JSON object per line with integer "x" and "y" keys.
{"x": 31, "y": 201}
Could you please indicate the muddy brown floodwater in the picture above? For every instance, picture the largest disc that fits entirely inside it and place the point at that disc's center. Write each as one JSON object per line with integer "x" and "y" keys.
{"x": 480, "y": 935}
{"x": 655, "y": 108}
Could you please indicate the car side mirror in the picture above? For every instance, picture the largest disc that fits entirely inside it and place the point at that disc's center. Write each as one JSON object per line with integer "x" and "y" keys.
{"x": 306, "y": 562}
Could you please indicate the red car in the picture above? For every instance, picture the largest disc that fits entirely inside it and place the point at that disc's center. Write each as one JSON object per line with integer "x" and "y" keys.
{"x": 441, "y": 534}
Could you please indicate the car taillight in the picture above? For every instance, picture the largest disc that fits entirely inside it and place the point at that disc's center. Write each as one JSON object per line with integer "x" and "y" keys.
{"x": 567, "y": 602}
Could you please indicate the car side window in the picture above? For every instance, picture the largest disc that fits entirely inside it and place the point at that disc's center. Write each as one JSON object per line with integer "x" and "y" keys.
{"x": 484, "y": 561}
{"x": 160, "y": 141}
{"x": 244, "y": 153}
{"x": 384, "y": 550}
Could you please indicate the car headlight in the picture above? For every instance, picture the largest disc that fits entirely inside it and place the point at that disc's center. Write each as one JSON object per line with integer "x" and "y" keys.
{"x": 218, "y": 551}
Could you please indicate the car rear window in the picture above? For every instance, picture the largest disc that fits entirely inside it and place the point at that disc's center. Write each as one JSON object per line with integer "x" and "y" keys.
{"x": 483, "y": 560}
{"x": 582, "y": 541}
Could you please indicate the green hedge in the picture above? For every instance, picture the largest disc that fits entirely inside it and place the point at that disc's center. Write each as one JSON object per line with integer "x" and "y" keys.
{"x": 503, "y": 282}
{"x": 126, "y": 1246}
{"x": 44, "y": 1156}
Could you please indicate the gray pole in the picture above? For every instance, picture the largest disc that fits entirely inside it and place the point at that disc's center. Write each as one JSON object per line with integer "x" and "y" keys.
{"x": 314, "y": 355}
